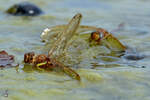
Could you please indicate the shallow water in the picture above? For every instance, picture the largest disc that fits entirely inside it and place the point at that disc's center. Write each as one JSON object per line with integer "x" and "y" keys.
{"x": 118, "y": 78}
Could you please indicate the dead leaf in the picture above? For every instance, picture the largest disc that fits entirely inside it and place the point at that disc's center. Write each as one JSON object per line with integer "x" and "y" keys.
{"x": 5, "y": 59}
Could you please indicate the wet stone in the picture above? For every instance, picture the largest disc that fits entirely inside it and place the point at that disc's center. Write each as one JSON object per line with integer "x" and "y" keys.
{"x": 24, "y": 9}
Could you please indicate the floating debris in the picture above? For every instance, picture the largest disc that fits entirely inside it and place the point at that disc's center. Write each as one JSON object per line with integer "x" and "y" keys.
{"x": 24, "y": 9}
{"x": 5, "y": 59}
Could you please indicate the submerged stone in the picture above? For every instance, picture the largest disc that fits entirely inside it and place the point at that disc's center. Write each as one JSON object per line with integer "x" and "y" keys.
{"x": 24, "y": 9}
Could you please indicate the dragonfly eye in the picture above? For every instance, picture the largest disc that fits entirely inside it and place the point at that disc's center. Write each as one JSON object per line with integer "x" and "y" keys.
{"x": 96, "y": 35}
{"x": 28, "y": 57}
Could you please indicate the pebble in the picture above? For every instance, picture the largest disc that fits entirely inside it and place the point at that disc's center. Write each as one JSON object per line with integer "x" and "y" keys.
{"x": 24, "y": 9}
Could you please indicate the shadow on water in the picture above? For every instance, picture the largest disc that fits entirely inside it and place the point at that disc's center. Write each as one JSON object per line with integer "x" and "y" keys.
{"x": 129, "y": 58}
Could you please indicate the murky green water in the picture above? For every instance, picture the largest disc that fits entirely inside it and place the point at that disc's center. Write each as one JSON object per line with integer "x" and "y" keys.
{"x": 118, "y": 79}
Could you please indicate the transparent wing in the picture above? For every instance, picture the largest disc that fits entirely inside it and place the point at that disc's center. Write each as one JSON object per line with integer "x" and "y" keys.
{"x": 65, "y": 35}
{"x": 55, "y": 31}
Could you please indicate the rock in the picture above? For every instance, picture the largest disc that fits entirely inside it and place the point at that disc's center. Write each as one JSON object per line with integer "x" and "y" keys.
{"x": 24, "y": 9}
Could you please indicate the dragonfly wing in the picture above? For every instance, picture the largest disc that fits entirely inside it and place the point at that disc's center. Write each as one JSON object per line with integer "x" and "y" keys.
{"x": 64, "y": 37}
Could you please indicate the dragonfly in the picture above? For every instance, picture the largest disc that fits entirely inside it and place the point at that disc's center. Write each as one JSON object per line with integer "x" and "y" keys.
{"x": 47, "y": 62}
{"x": 64, "y": 33}
{"x": 63, "y": 37}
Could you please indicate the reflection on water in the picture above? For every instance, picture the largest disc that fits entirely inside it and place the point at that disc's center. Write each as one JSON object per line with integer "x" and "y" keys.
{"x": 103, "y": 76}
